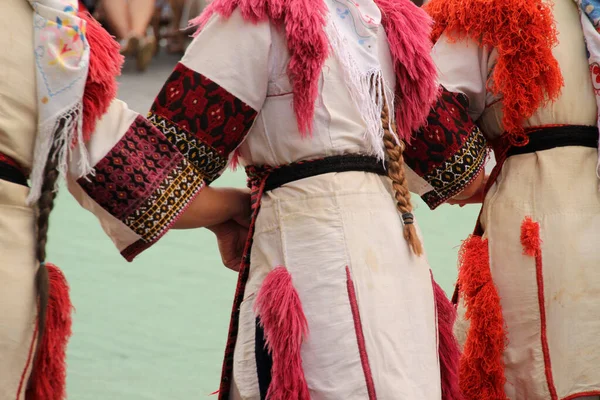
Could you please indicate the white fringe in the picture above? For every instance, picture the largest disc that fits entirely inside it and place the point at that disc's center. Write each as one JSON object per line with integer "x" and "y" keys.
{"x": 368, "y": 91}
{"x": 54, "y": 143}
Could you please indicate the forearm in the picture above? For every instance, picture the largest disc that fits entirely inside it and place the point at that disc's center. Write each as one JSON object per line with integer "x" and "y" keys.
{"x": 214, "y": 206}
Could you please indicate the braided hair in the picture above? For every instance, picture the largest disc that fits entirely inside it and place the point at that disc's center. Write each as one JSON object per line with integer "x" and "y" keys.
{"x": 45, "y": 204}
{"x": 395, "y": 167}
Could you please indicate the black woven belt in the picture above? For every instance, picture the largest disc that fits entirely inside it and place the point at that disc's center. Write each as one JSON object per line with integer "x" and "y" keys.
{"x": 11, "y": 174}
{"x": 344, "y": 163}
{"x": 546, "y": 138}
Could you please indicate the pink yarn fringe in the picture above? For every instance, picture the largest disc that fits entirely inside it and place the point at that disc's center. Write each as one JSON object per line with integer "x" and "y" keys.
{"x": 307, "y": 43}
{"x": 448, "y": 348}
{"x": 408, "y": 30}
{"x": 285, "y": 326}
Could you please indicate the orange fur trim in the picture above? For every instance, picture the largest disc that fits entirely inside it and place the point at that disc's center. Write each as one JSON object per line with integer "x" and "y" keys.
{"x": 523, "y": 32}
{"x": 481, "y": 374}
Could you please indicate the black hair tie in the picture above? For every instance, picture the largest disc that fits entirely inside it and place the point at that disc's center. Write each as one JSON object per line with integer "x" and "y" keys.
{"x": 408, "y": 218}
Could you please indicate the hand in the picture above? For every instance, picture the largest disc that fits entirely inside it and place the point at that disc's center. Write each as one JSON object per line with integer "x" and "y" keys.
{"x": 244, "y": 214}
{"x": 231, "y": 238}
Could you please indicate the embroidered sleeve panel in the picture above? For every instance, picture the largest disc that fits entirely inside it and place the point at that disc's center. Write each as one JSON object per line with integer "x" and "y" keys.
{"x": 145, "y": 182}
{"x": 450, "y": 151}
{"x": 202, "y": 119}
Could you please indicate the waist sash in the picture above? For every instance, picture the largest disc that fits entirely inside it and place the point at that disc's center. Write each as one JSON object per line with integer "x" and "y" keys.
{"x": 11, "y": 171}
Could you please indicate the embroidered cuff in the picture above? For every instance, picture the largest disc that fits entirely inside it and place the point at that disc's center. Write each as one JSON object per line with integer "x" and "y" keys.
{"x": 145, "y": 182}
{"x": 449, "y": 151}
{"x": 458, "y": 171}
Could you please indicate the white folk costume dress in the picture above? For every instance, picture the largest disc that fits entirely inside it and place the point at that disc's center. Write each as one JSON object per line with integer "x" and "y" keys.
{"x": 346, "y": 310}
{"x": 331, "y": 303}
{"x": 529, "y": 275}
{"x": 57, "y": 88}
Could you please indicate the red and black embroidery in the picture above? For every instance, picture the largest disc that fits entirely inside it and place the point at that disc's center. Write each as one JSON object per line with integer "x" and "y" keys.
{"x": 144, "y": 181}
{"x": 204, "y": 109}
{"x": 449, "y": 151}
{"x": 204, "y": 157}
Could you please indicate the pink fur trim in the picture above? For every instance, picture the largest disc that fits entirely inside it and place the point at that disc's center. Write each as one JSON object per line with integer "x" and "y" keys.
{"x": 304, "y": 22}
{"x": 448, "y": 349}
{"x": 408, "y": 30}
{"x": 285, "y": 326}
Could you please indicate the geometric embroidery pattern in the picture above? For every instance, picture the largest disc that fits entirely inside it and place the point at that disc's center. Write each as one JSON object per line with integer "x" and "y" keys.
{"x": 204, "y": 109}
{"x": 450, "y": 178}
{"x": 204, "y": 157}
{"x": 143, "y": 181}
{"x": 165, "y": 204}
{"x": 449, "y": 151}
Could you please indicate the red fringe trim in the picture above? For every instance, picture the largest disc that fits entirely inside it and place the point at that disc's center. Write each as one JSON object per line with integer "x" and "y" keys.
{"x": 523, "y": 32}
{"x": 105, "y": 66}
{"x": 482, "y": 365}
{"x": 532, "y": 246}
{"x": 584, "y": 394}
{"x": 408, "y": 28}
{"x": 448, "y": 348}
{"x": 281, "y": 315}
{"x": 307, "y": 42}
{"x": 48, "y": 377}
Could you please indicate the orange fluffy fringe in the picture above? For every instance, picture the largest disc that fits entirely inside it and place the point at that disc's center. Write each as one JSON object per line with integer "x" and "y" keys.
{"x": 530, "y": 237}
{"x": 481, "y": 374}
{"x": 523, "y": 32}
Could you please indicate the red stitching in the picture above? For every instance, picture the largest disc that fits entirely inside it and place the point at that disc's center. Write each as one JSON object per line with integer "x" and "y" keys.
{"x": 28, "y": 363}
{"x": 360, "y": 337}
{"x": 530, "y": 238}
{"x": 584, "y": 394}
{"x": 544, "y": 335}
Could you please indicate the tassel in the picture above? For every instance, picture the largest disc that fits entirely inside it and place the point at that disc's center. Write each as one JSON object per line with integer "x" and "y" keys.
{"x": 48, "y": 377}
{"x": 530, "y": 237}
{"x": 285, "y": 326}
{"x": 448, "y": 348}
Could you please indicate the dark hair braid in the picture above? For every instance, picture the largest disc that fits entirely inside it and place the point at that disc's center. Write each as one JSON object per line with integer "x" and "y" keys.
{"x": 45, "y": 204}
{"x": 395, "y": 166}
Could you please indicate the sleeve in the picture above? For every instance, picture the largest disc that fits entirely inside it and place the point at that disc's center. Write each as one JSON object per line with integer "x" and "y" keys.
{"x": 450, "y": 150}
{"x": 148, "y": 170}
{"x": 464, "y": 67}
